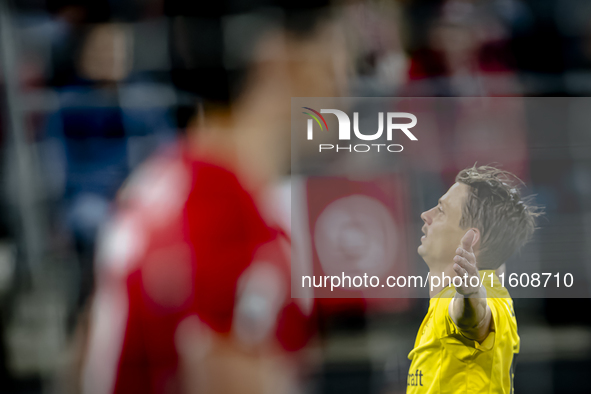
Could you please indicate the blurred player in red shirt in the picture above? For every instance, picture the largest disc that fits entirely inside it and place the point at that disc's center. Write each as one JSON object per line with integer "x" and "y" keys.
{"x": 193, "y": 289}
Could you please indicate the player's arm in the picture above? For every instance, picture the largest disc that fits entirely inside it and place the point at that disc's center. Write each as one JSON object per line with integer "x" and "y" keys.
{"x": 469, "y": 309}
{"x": 214, "y": 363}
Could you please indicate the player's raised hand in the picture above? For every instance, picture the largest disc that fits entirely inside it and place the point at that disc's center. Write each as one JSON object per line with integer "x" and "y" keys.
{"x": 465, "y": 265}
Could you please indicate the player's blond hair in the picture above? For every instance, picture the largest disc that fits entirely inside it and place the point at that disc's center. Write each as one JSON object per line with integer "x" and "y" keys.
{"x": 495, "y": 207}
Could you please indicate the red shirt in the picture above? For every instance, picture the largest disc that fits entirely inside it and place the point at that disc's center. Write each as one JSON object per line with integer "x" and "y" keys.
{"x": 187, "y": 240}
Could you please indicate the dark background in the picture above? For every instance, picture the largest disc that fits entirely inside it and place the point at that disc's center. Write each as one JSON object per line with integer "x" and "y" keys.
{"x": 68, "y": 144}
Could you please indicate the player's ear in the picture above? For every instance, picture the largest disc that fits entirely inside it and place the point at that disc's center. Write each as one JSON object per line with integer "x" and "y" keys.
{"x": 476, "y": 240}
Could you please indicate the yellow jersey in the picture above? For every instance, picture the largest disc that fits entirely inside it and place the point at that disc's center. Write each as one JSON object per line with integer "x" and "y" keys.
{"x": 444, "y": 361}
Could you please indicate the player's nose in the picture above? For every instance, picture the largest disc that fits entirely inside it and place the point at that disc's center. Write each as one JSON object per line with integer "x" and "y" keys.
{"x": 426, "y": 216}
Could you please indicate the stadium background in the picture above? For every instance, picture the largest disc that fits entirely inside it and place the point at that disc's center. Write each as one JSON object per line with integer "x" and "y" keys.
{"x": 53, "y": 200}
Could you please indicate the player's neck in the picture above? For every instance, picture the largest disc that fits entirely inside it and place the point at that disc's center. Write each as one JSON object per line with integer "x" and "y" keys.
{"x": 439, "y": 271}
{"x": 239, "y": 147}
{"x": 254, "y": 147}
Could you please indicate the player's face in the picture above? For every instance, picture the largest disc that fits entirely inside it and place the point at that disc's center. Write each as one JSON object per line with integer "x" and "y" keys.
{"x": 442, "y": 231}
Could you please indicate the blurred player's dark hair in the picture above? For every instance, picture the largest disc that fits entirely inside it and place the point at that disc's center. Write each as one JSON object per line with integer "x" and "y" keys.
{"x": 211, "y": 46}
{"x": 495, "y": 207}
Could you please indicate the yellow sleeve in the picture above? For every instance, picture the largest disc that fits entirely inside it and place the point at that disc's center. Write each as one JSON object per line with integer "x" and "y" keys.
{"x": 454, "y": 341}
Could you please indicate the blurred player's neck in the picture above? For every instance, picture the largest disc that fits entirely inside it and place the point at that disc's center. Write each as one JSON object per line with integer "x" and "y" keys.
{"x": 240, "y": 144}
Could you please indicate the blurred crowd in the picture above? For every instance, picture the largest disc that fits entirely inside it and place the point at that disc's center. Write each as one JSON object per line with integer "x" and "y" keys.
{"x": 91, "y": 91}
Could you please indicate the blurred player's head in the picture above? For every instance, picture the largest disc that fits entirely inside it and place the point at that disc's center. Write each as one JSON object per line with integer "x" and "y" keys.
{"x": 216, "y": 50}
{"x": 245, "y": 63}
{"x": 487, "y": 200}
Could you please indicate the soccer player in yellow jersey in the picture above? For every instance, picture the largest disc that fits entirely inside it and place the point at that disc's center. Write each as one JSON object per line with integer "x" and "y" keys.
{"x": 468, "y": 341}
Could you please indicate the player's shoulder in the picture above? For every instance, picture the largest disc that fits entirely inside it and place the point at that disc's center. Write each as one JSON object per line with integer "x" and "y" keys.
{"x": 494, "y": 287}
{"x": 151, "y": 202}
{"x": 502, "y": 310}
{"x": 164, "y": 174}
{"x": 503, "y": 313}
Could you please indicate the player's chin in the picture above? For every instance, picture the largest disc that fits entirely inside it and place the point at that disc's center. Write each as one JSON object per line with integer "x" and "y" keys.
{"x": 421, "y": 250}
